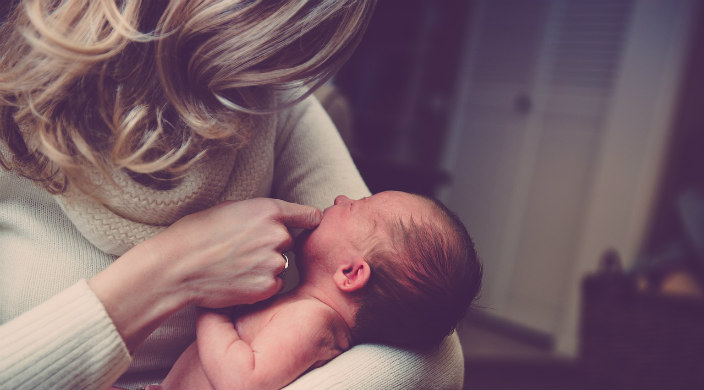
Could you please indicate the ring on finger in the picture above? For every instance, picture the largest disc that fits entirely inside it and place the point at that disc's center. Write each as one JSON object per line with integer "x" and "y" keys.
{"x": 286, "y": 261}
{"x": 283, "y": 271}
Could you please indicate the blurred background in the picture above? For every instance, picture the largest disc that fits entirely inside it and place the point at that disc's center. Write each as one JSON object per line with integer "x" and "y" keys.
{"x": 568, "y": 135}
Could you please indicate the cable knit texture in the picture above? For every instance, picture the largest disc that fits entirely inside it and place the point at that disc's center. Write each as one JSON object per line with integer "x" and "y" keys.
{"x": 133, "y": 212}
{"x": 55, "y": 334}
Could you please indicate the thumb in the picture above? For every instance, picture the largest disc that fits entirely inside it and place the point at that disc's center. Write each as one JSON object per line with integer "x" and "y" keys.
{"x": 295, "y": 215}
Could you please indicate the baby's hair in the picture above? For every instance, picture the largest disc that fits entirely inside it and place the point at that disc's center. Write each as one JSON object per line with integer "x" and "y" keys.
{"x": 421, "y": 286}
{"x": 149, "y": 86}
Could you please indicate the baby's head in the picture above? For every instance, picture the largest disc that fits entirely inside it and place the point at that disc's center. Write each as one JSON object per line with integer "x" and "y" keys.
{"x": 406, "y": 261}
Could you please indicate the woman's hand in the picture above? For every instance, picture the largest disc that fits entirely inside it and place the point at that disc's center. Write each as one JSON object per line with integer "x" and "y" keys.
{"x": 231, "y": 254}
{"x": 227, "y": 255}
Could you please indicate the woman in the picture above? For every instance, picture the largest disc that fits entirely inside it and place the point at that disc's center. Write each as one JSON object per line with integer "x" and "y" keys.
{"x": 124, "y": 127}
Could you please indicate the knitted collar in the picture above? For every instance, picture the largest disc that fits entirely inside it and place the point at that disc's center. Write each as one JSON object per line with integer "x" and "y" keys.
{"x": 133, "y": 212}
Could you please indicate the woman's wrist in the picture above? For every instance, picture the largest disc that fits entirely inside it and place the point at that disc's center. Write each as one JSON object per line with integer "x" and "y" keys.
{"x": 139, "y": 291}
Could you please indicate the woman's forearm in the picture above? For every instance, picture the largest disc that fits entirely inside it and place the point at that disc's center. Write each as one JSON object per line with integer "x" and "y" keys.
{"x": 139, "y": 291}
{"x": 227, "y": 255}
{"x": 66, "y": 342}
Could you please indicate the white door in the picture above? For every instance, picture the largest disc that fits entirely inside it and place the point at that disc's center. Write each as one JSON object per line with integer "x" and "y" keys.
{"x": 534, "y": 125}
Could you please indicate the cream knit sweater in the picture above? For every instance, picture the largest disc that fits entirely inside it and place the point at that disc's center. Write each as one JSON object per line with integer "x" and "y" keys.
{"x": 54, "y": 332}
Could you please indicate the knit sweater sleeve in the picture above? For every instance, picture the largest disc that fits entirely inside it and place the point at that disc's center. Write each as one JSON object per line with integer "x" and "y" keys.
{"x": 312, "y": 167}
{"x": 67, "y": 342}
{"x": 371, "y": 366}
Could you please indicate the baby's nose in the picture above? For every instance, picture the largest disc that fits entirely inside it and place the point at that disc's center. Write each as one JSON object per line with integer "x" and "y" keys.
{"x": 341, "y": 199}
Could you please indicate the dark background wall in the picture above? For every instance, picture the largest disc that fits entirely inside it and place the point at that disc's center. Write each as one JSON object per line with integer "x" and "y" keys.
{"x": 400, "y": 84}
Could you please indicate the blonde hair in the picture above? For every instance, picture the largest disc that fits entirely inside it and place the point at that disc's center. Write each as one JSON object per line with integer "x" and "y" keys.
{"x": 149, "y": 86}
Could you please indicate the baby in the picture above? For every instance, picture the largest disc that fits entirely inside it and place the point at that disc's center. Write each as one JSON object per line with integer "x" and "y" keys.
{"x": 393, "y": 268}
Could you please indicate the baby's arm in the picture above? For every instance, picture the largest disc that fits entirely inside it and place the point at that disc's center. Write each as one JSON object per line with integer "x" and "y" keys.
{"x": 295, "y": 339}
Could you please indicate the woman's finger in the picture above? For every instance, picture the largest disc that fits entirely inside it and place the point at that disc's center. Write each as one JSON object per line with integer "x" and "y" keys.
{"x": 298, "y": 216}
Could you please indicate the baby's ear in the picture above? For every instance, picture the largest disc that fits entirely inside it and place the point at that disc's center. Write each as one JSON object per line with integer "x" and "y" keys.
{"x": 352, "y": 275}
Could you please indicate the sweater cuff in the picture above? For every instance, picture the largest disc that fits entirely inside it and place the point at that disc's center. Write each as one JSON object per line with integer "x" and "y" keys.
{"x": 66, "y": 342}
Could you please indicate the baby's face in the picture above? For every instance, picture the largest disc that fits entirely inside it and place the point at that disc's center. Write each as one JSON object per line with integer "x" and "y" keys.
{"x": 352, "y": 227}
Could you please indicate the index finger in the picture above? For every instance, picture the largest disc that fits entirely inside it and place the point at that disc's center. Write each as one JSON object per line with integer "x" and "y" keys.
{"x": 295, "y": 215}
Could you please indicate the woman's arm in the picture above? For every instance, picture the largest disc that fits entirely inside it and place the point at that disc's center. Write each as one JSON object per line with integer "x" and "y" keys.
{"x": 67, "y": 342}
{"x": 54, "y": 332}
{"x": 73, "y": 340}
{"x": 227, "y": 255}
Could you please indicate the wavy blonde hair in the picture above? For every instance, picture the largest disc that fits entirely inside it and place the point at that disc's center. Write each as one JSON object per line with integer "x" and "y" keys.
{"x": 150, "y": 86}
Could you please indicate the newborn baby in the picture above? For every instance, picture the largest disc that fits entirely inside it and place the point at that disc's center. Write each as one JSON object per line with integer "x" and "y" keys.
{"x": 393, "y": 268}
